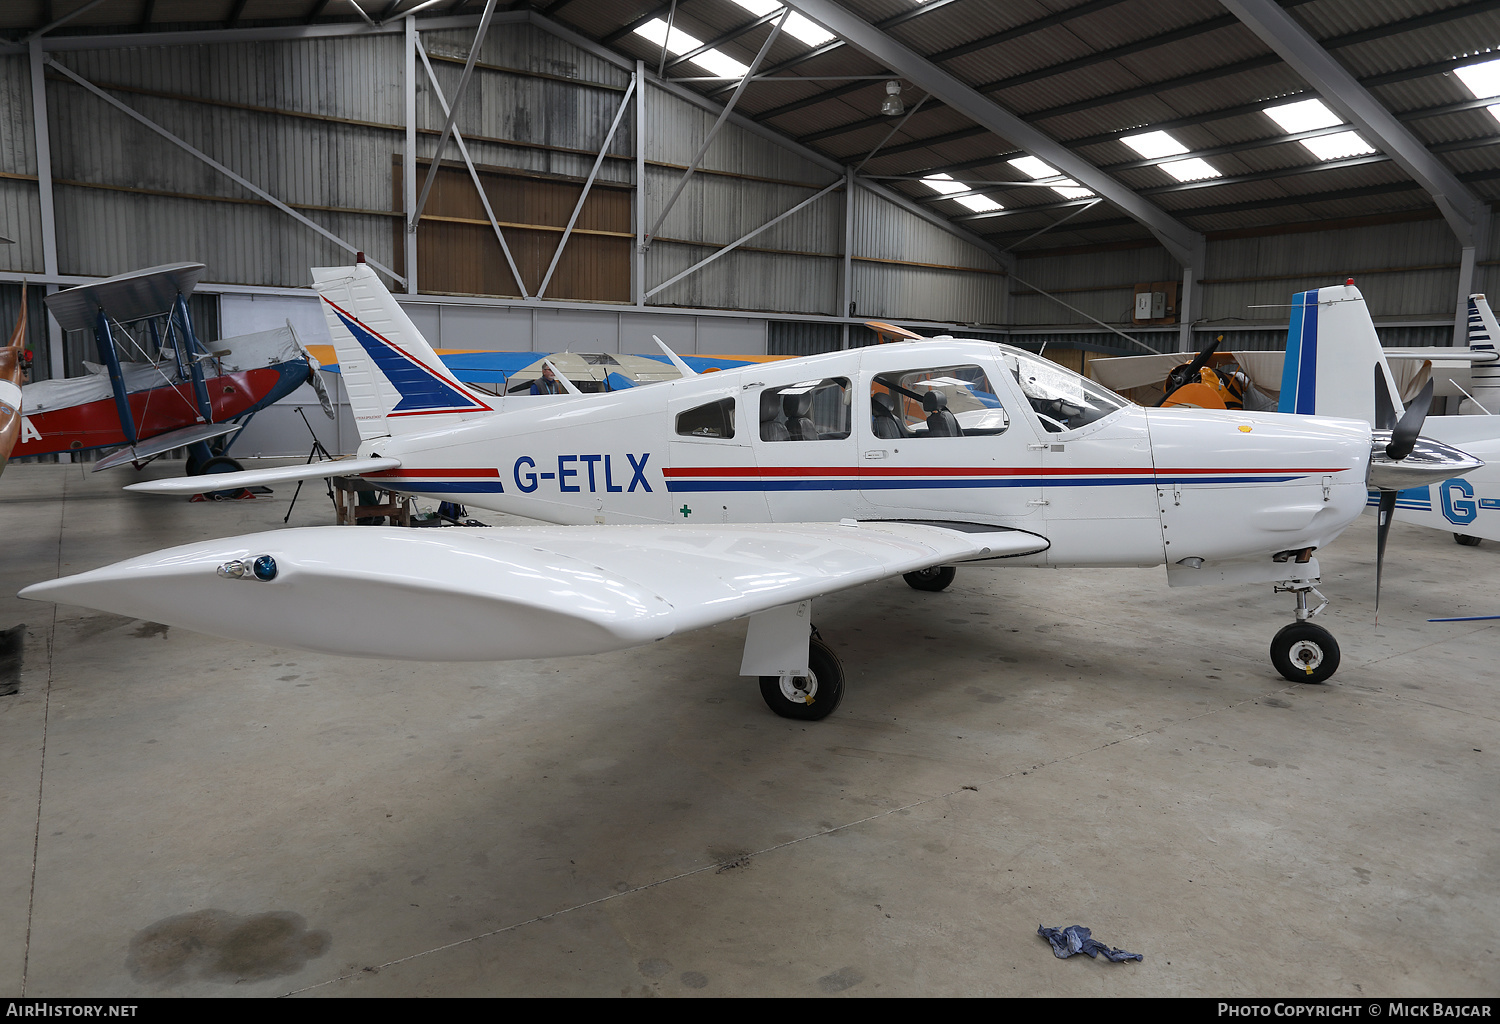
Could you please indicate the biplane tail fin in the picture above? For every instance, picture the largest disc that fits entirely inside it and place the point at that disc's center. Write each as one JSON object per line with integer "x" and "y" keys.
{"x": 395, "y": 381}
{"x": 1332, "y": 351}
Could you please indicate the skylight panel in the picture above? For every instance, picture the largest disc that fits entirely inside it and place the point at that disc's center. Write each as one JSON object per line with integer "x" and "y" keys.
{"x": 655, "y": 30}
{"x": 1303, "y": 116}
{"x": 979, "y": 204}
{"x": 1307, "y": 115}
{"x": 714, "y": 61}
{"x": 1154, "y": 144}
{"x": 945, "y": 184}
{"x": 797, "y": 26}
{"x": 1191, "y": 169}
{"x": 1336, "y": 147}
{"x": 721, "y": 64}
{"x": 1483, "y": 80}
{"x": 1037, "y": 170}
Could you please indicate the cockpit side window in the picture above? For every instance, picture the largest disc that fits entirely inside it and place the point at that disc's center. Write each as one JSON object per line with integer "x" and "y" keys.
{"x": 937, "y": 401}
{"x": 1063, "y": 400}
{"x": 716, "y": 419}
{"x": 811, "y": 410}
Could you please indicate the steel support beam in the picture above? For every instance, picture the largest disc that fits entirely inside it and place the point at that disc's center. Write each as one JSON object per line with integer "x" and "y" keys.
{"x": 709, "y": 138}
{"x": 409, "y": 158}
{"x": 638, "y": 210}
{"x": 588, "y": 184}
{"x": 726, "y": 250}
{"x": 239, "y": 179}
{"x": 43, "y": 144}
{"x": 1466, "y": 214}
{"x": 1180, "y": 240}
{"x": 484, "y": 200}
{"x": 846, "y": 289}
{"x": 458, "y": 98}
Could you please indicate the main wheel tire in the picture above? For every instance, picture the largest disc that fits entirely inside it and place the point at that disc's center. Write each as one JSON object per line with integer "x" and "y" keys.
{"x": 808, "y": 697}
{"x": 1305, "y": 653}
{"x": 934, "y": 579}
{"x": 222, "y": 464}
{"x": 1466, "y": 540}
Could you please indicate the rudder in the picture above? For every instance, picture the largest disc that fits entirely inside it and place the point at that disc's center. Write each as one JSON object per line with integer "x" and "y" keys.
{"x": 395, "y": 381}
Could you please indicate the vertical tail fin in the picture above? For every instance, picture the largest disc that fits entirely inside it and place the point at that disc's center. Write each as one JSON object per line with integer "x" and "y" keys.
{"x": 1484, "y": 334}
{"x": 1332, "y": 351}
{"x": 395, "y": 381}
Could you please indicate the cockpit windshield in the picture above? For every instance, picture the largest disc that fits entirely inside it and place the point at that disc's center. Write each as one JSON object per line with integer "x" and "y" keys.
{"x": 1063, "y": 400}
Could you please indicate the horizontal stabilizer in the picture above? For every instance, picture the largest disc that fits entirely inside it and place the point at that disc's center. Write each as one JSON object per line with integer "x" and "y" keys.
{"x": 1437, "y": 353}
{"x": 162, "y": 443}
{"x": 501, "y": 594}
{"x": 263, "y": 477}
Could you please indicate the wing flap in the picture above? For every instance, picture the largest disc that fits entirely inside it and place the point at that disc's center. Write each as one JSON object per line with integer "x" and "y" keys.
{"x": 520, "y": 592}
{"x": 262, "y": 477}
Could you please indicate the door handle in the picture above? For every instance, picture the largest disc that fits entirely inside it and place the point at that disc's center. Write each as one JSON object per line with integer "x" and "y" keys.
{"x": 875, "y": 453}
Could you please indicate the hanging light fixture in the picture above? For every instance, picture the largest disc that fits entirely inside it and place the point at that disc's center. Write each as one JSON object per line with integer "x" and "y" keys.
{"x": 891, "y": 106}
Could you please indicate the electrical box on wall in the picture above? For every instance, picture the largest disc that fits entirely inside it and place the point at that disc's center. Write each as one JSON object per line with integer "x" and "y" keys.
{"x": 1155, "y": 303}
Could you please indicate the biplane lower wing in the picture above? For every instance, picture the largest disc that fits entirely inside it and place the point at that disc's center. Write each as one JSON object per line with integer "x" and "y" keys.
{"x": 163, "y": 443}
{"x": 264, "y": 477}
{"x": 520, "y": 592}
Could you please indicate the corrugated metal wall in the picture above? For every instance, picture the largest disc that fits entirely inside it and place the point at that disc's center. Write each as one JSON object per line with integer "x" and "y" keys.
{"x": 20, "y": 207}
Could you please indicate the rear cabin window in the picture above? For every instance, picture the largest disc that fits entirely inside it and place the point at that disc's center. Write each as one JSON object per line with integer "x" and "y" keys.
{"x": 716, "y": 419}
{"x": 811, "y": 410}
{"x": 938, "y": 401}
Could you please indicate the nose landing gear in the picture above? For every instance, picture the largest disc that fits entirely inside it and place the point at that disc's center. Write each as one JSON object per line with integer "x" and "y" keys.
{"x": 1303, "y": 652}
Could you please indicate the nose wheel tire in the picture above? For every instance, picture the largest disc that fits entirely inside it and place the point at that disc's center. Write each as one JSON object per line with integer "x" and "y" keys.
{"x": 934, "y": 579}
{"x": 1305, "y": 653}
{"x": 1466, "y": 540}
{"x": 808, "y": 697}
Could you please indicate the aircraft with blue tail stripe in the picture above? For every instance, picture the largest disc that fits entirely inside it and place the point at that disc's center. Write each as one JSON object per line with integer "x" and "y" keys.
{"x": 751, "y": 493}
{"x": 1332, "y": 353}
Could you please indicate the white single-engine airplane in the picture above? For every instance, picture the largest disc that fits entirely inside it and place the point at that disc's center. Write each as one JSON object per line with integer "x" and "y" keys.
{"x": 752, "y": 491}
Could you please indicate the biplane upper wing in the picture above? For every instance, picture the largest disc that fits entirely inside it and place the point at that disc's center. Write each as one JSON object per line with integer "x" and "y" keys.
{"x": 516, "y": 592}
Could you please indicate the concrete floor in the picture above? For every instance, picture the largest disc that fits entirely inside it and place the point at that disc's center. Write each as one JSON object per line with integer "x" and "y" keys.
{"x": 193, "y": 816}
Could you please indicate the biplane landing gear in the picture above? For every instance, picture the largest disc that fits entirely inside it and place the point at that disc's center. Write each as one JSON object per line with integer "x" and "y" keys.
{"x": 1303, "y": 652}
{"x": 808, "y": 697}
{"x": 934, "y": 579}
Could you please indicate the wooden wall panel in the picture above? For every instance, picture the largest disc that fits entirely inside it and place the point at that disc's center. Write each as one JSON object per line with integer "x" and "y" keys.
{"x": 457, "y": 252}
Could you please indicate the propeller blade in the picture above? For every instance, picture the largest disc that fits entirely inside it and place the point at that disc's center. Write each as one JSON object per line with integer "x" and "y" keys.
{"x": 1202, "y": 358}
{"x": 1404, "y": 434}
{"x": 1185, "y": 374}
{"x": 1382, "y": 530}
{"x": 1385, "y": 410}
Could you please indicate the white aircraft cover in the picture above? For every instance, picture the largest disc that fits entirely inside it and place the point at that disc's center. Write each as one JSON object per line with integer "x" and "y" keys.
{"x": 507, "y": 593}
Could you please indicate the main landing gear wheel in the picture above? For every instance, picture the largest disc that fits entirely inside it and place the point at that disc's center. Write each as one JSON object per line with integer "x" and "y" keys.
{"x": 808, "y": 697}
{"x": 1305, "y": 653}
{"x": 1466, "y": 540}
{"x": 934, "y": 579}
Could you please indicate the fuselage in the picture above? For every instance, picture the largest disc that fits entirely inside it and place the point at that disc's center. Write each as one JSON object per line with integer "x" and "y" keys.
{"x": 956, "y": 431}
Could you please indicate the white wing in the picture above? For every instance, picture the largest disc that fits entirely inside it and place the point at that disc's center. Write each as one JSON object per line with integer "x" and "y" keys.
{"x": 261, "y": 477}
{"x": 519, "y": 592}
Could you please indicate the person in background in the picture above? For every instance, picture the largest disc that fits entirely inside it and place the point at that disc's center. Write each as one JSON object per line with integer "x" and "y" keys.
{"x": 547, "y": 383}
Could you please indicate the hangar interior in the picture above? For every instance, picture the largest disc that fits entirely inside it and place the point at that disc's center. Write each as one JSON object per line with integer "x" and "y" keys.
{"x": 743, "y": 178}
